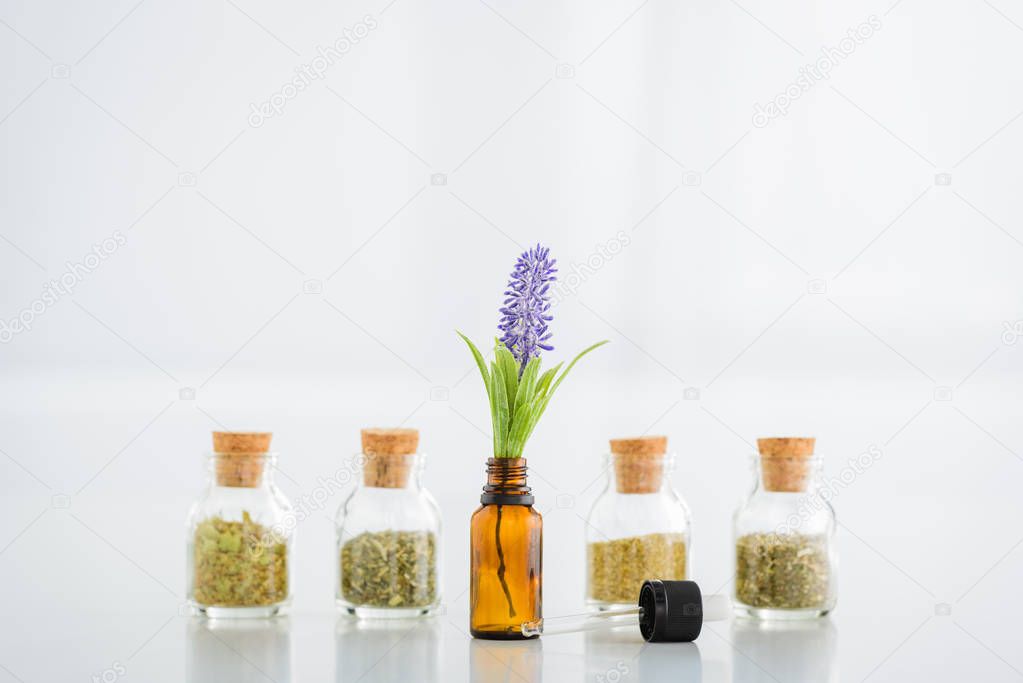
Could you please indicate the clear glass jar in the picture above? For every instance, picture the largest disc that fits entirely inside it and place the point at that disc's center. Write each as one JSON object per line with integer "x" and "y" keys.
{"x": 239, "y": 532}
{"x": 639, "y": 528}
{"x": 388, "y": 532}
{"x": 785, "y": 559}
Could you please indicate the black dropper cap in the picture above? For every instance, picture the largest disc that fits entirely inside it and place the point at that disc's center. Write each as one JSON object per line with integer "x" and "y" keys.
{"x": 672, "y": 611}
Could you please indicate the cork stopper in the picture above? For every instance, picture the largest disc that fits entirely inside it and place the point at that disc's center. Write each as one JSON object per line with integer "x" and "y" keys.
{"x": 240, "y": 457}
{"x": 390, "y": 456}
{"x": 785, "y": 463}
{"x": 639, "y": 463}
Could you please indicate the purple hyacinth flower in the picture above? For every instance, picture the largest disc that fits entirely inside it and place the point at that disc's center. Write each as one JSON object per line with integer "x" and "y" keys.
{"x": 525, "y": 313}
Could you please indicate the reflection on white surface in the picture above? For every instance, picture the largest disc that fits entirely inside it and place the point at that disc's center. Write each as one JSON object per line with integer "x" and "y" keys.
{"x": 213, "y": 648}
{"x": 622, "y": 654}
{"x": 387, "y": 650}
{"x": 789, "y": 651}
{"x": 496, "y": 661}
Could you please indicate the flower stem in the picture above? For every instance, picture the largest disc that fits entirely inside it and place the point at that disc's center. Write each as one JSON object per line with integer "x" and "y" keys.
{"x": 500, "y": 564}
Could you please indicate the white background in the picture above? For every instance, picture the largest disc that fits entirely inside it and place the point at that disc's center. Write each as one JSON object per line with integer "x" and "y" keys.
{"x": 849, "y": 271}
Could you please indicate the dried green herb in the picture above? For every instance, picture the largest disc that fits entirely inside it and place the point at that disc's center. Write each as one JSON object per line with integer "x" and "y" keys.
{"x": 390, "y": 569}
{"x": 239, "y": 564}
{"x": 618, "y": 568}
{"x": 782, "y": 571}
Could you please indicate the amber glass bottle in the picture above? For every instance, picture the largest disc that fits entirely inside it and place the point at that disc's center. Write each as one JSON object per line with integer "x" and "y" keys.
{"x": 506, "y": 554}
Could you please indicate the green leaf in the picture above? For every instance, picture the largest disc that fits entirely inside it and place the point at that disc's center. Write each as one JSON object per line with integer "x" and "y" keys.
{"x": 510, "y": 372}
{"x": 525, "y": 428}
{"x": 530, "y": 417}
{"x": 494, "y": 420}
{"x": 480, "y": 363}
{"x": 527, "y": 385}
{"x": 488, "y": 383}
{"x": 524, "y": 399}
{"x": 572, "y": 364}
{"x": 517, "y": 404}
{"x": 501, "y": 416}
{"x": 546, "y": 379}
{"x": 535, "y": 413}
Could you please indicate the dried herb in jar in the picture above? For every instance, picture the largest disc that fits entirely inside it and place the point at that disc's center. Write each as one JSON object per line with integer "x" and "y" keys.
{"x": 390, "y": 569}
{"x": 619, "y": 567}
{"x": 782, "y": 571}
{"x": 239, "y": 564}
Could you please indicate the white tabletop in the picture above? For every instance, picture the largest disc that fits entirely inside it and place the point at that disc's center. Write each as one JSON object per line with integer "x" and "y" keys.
{"x": 93, "y": 573}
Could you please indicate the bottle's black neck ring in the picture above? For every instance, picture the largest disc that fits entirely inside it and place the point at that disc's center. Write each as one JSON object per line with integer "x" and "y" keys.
{"x": 525, "y": 499}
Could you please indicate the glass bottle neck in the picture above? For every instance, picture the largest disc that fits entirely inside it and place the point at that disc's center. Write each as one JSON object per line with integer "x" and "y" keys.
{"x": 506, "y": 483}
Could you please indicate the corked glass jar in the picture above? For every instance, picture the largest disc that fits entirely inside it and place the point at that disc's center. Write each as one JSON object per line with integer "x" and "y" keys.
{"x": 639, "y": 527}
{"x": 785, "y": 560}
{"x": 505, "y": 554}
{"x": 239, "y": 536}
{"x": 388, "y": 532}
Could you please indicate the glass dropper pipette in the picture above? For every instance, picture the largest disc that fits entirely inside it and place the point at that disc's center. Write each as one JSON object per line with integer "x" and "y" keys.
{"x": 672, "y": 611}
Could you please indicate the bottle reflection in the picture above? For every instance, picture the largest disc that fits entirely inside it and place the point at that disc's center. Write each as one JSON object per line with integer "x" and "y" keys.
{"x": 622, "y": 655}
{"x": 493, "y": 661}
{"x": 387, "y": 650}
{"x": 789, "y": 651}
{"x": 243, "y": 650}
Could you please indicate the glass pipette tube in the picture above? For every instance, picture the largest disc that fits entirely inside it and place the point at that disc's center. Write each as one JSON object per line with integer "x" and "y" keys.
{"x": 586, "y": 621}
{"x": 713, "y": 608}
